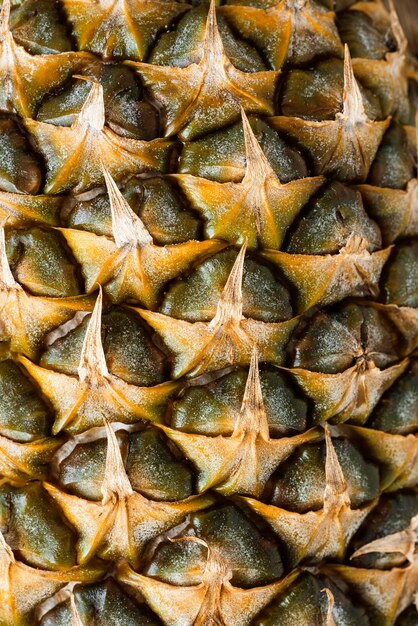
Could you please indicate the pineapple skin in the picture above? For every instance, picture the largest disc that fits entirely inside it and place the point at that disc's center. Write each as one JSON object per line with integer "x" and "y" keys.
{"x": 208, "y": 314}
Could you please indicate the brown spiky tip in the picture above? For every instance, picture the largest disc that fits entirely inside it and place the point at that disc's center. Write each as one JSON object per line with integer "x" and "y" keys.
{"x": 92, "y": 360}
{"x": 116, "y": 484}
{"x": 355, "y": 244}
{"x": 336, "y": 491}
{"x": 257, "y": 166}
{"x": 416, "y": 132}
{"x": 191, "y": 538}
{"x": 7, "y": 281}
{"x": 403, "y": 542}
{"x": 75, "y": 615}
{"x": 216, "y": 569}
{"x": 229, "y": 309}
{"x": 329, "y": 618}
{"x": 353, "y": 107}
{"x": 397, "y": 30}
{"x": 106, "y": 4}
{"x": 128, "y": 228}
{"x": 6, "y": 554}
{"x": 295, "y": 5}
{"x": 92, "y": 112}
{"x": 253, "y": 416}
{"x": 5, "y": 20}
{"x": 213, "y": 49}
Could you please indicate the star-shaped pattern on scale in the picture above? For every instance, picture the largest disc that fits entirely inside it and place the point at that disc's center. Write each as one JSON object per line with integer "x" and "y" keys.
{"x": 228, "y": 339}
{"x": 25, "y": 320}
{"x": 397, "y": 455}
{"x": 83, "y": 401}
{"x": 131, "y": 267}
{"x": 322, "y": 534}
{"x": 324, "y": 279}
{"x": 344, "y": 147}
{"x": 278, "y": 30}
{"x": 119, "y": 526}
{"x": 213, "y": 601}
{"x": 25, "y": 78}
{"x": 243, "y": 462}
{"x": 395, "y": 210}
{"x": 120, "y": 28}
{"x": 385, "y": 593}
{"x": 23, "y": 588}
{"x": 389, "y": 77}
{"x": 75, "y": 155}
{"x": 348, "y": 395}
{"x": 258, "y": 209}
{"x": 207, "y": 95}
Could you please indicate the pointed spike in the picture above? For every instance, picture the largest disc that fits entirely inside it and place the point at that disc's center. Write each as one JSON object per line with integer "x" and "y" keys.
{"x": 7, "y": 559}
{"x": 256, "y": 162}
{"x": 75, "y": 615}
{"x": 329, "y": 619}
{"x": 213, "y": 49}
{"x": 355, "y": 245}
{"x": 93, "y": 110}
{"x": 353, "y": 107}
{"x": 92, "y": 360}
{"x": 416, "y": 132}
{"x": 128, "y": 228}
{"x": 191, "y": 538}
{"x": 5, "y": 20}
{"x": 252, "y": 395}
{"x": 397, "y": 30}
{"x": 336, "y": 491}
{"x": 216, "y": 569}
{"x": 229, "y": 307}
{"x": 115, "y": 480}
{"x": 105, "y": 4}
{"x": 7, "y": 280}
{"x": 6, "y": 554}
{"x": 253, "y": 413}
{"x": 295, "y": 5}
{"x": 403, "y": 542}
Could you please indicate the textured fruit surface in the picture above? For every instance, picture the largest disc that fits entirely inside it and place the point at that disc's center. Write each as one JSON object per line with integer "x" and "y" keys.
{"x": 208, "y": 314}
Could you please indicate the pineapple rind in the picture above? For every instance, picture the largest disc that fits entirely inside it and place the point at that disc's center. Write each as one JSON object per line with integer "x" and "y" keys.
{"x": 208, "y": 314}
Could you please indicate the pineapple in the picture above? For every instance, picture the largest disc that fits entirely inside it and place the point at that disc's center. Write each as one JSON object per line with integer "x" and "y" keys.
{"x": 208, "y": 314}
